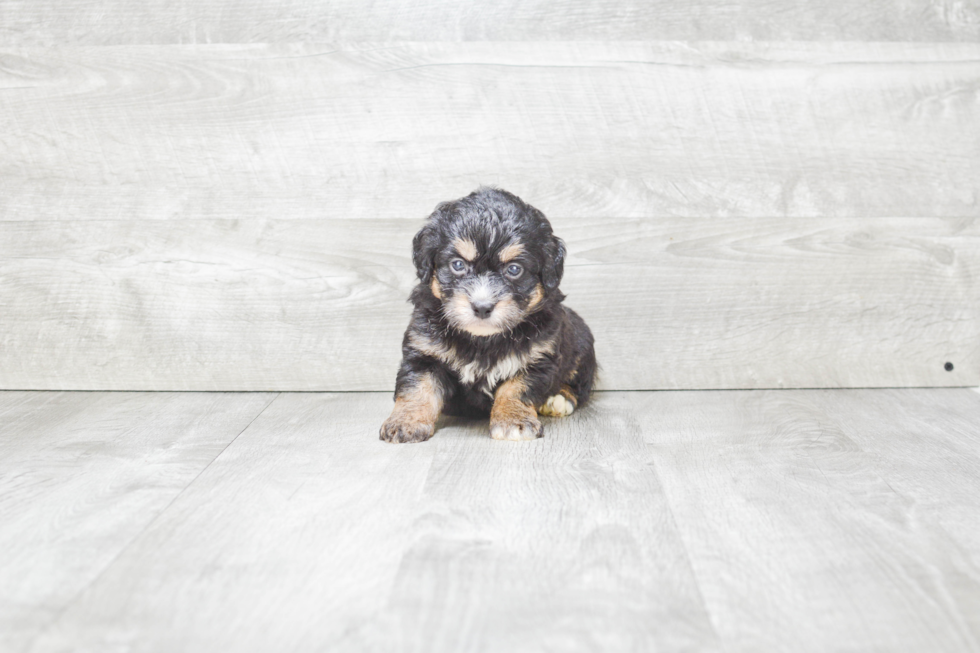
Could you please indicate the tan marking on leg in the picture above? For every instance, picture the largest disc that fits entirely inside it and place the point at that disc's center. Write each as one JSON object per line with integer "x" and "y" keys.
{"x": 571, "y": 375}
{"x": 436, "y": 288}
{"x": 566, "y": 392}
{"x": 511, "y": 418}
{"x": 466, "y": 248}
{"x": 511, "y": 252}
{"x": 561, "y": 404}
{"x": 413, "y": 419}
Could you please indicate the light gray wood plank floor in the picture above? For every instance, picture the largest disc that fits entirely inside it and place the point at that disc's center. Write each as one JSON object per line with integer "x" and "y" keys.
{"x": 82, "y": 474}
{"x": 729, "y": 520}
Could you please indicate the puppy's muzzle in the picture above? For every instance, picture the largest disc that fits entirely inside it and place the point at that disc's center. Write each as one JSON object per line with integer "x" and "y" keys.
{"x": 483, "y": 293}
{"x": 482, "y": 307}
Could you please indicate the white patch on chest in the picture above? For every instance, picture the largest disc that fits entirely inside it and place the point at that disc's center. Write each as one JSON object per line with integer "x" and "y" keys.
{"x": 469, "y": 372}
{"x": 502, "y": 370}
{"x": 493, "y": 375}
{"x": 505, "y": 368}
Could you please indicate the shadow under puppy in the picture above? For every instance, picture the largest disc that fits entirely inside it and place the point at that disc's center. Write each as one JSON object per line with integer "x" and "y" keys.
{"x": 489, "y": 333}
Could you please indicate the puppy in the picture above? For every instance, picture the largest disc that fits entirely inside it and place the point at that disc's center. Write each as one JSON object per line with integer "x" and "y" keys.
{"x": 489, "y": 333}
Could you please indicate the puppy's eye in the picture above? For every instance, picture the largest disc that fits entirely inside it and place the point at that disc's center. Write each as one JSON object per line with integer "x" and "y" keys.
{"x": 514, "y": 270}
{"x": 457, "y": 265}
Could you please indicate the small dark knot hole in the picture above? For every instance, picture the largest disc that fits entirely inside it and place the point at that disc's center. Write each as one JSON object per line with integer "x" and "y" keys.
{"x": 948, "y": 366}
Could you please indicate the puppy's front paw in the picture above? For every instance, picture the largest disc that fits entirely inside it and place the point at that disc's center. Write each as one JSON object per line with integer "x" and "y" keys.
{"x": 511, "y": 418}
{"x": 526, "y": 428}
{"x": 400, "y": 430}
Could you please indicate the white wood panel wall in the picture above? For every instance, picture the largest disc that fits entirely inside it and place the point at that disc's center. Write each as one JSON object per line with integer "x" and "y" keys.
{"x": 100, "y": 22}
{"x": 580, "y": 130}
{"x": 320, "y": 304}
{"x": 239, "y": 217}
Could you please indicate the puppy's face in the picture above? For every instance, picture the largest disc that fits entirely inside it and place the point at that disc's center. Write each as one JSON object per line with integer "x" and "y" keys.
{"x": 490, "y": 259}
{"x": 486, "y": 292}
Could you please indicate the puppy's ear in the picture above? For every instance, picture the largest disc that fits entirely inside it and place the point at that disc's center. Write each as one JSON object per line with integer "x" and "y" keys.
{"x": 424, "y": 248}
{"x": 554, "y": 266}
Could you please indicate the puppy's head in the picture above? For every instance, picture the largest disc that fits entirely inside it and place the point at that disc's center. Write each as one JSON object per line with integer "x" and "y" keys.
{"x": 491, "y": 260}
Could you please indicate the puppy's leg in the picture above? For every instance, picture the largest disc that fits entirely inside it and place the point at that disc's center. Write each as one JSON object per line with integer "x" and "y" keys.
{"x": 561, "y": 404}
{"x": 418, "y": 402}
{"x": 513, "y": 418}
{"x": 579, "y": 378}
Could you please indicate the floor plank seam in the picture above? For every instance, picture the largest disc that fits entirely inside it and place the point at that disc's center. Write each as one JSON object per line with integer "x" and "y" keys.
{"x": 95, "y": 579}
{"x": 680, "y": 535}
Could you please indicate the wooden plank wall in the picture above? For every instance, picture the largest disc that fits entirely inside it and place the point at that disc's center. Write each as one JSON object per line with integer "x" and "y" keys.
{"x": 210, "y": 196}
{"x": 115, "y": 22}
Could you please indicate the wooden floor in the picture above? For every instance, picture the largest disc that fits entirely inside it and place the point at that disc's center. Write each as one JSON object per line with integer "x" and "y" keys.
{"x": 788, "y": 520}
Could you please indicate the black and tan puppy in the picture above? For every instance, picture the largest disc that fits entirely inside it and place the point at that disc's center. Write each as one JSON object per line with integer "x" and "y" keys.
{"x": 489, "y": 333}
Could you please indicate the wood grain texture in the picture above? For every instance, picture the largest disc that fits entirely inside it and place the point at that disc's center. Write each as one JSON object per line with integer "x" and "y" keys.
{"x": 311, "y": 534}
{"x": 923, "y": 433}
{"x": 609, "y": 130}
{"x": 806, "y": 529}
{"x": 563, "y": 543}
{"x": 321, "y": 304}
{"x": 802, "y": 520}
{"x": 82, "y": 475}
{"x": 102, "y": 22}
{"x": 289, "y": 540}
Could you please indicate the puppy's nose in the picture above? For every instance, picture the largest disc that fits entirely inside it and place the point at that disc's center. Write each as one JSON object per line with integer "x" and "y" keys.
{"x": 483, "y": 311}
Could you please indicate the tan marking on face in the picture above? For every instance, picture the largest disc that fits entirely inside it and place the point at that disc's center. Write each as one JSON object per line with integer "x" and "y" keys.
{"x": 511, "y": 252}
{"x": 436, "y": 288}
{"x": 466, "y": 248}
{"x": 506, "y": 315}
{"x": 511, "y": 418}
{"x": 460, "y": 314}
{"x": 507, "y": 312}
{"x": 536, "y": 296}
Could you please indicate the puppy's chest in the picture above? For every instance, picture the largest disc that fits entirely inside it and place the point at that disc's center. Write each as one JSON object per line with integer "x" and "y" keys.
{"x": 482, "y": 372}
{"x": 486, "y": 375}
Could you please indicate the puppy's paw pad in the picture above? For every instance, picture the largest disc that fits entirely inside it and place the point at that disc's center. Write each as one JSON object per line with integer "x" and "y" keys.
{"x": 557, "y": 406}
{"x": 529, "y": 429}
{"x": 400, "y": 432}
